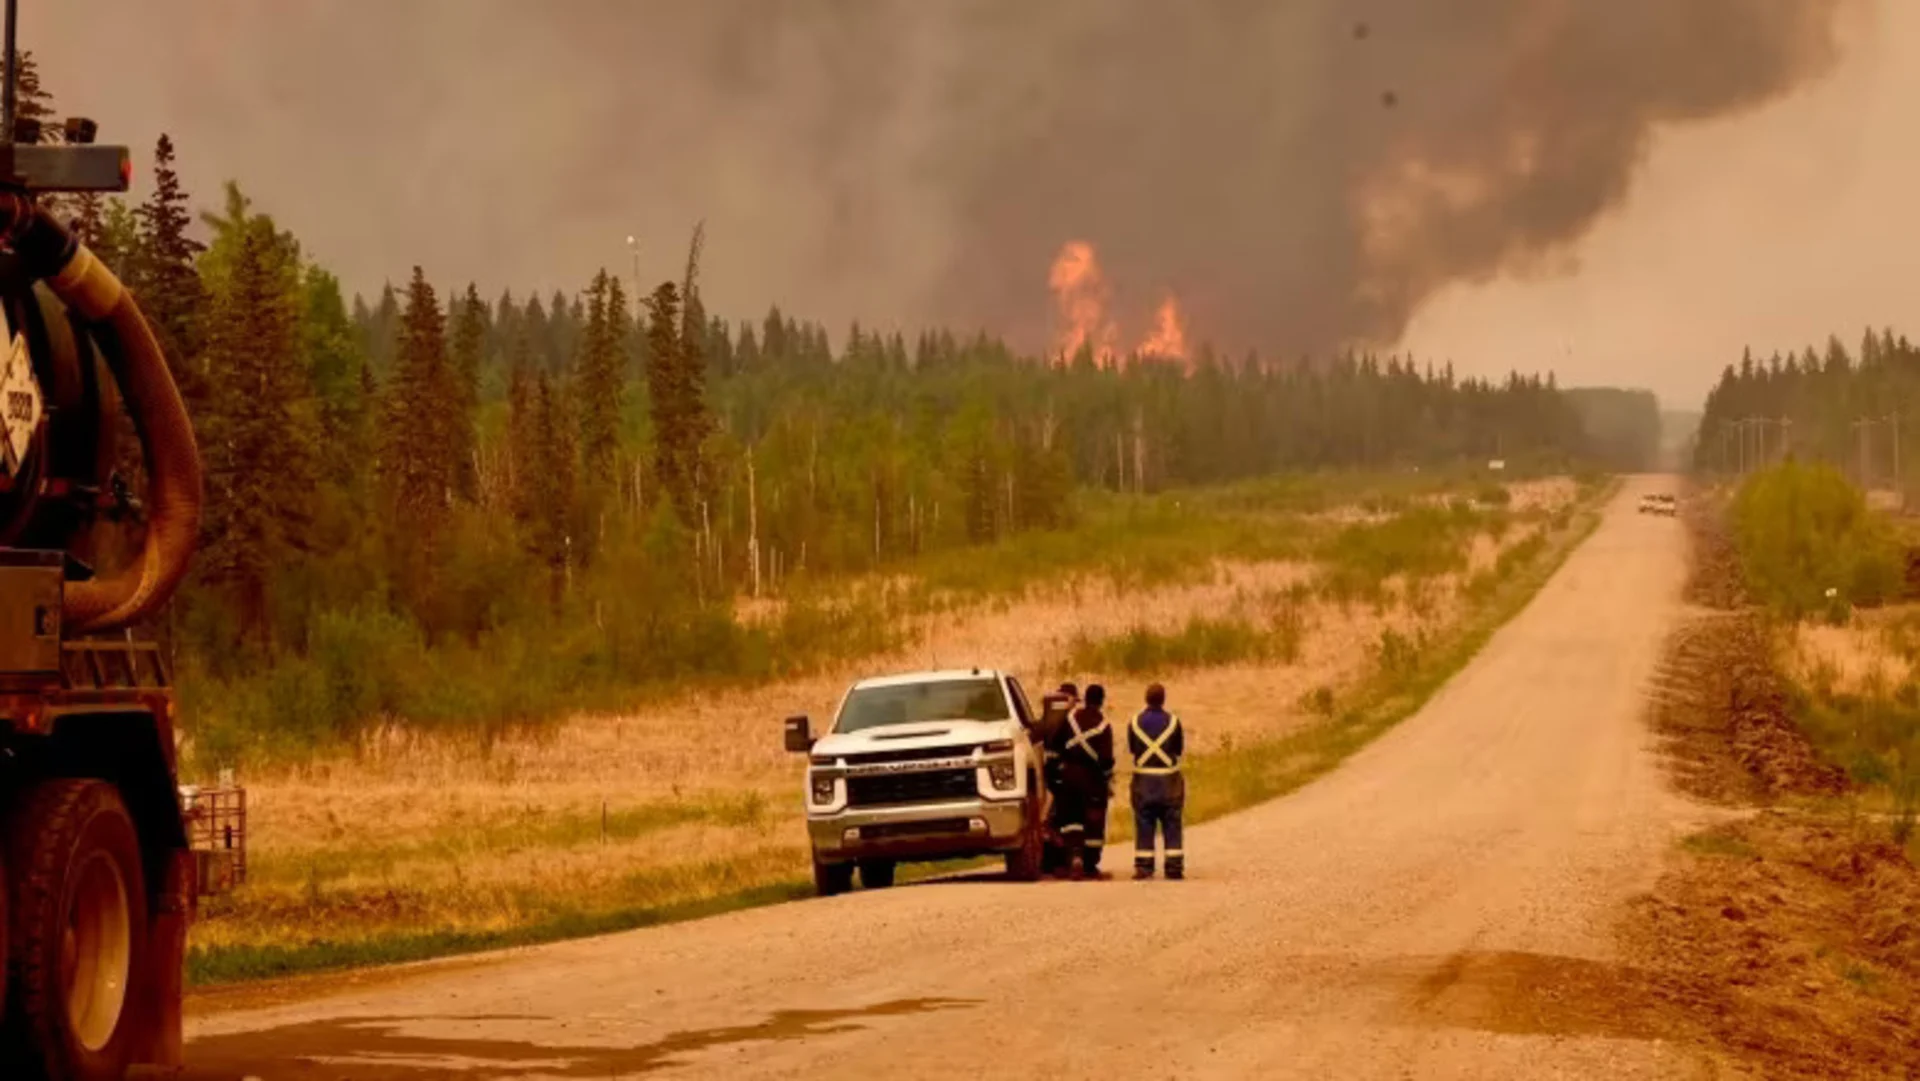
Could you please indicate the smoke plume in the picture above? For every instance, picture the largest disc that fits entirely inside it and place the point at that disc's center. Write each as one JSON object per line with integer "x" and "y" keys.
{"x": 1301, "y": 175}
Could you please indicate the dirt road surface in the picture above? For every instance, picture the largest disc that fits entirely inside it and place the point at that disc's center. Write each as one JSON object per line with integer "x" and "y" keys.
{"x": 1439, "y": 907}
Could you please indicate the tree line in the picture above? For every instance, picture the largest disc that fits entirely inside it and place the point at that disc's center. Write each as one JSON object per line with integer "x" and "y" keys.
{"x": 1851, "y": 409}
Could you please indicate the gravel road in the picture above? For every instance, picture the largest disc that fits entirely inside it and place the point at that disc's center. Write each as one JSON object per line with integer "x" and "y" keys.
{"x": 1436, "y": 908}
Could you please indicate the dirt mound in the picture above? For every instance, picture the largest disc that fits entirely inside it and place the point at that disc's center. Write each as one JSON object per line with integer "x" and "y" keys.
{"x": 1714, "y": 579}
{"x": 1722, "y": 713}
{"x": 1792, "y": 946}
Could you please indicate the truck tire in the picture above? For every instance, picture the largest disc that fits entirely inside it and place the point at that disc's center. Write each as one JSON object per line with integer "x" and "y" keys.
{"x": 77, "y": 942}
{"x": 1024, "y": 863}
{"x": 831, "y": 878}
{"x": 876, "y": 874}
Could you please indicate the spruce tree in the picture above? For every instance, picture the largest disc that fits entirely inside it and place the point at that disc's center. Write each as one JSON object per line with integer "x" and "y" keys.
{"x": 523, "y": 449}
{"x": 553, "y": 485}
{"x": 164, "y": 277}
{"x": 418, "y": 473}
{"x": 336, "y": 365}
{"x": 260, "y": 457}
{"x": 677, "y": 401}
{"x": 32, "y": 100}
{"x": 469, "y": 339}
{"x": 602, "y": 379}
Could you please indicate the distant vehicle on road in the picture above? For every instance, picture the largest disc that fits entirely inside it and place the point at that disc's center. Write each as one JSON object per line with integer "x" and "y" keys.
{"x": 923, "y": 766}
{"x": 1659, "y": 504}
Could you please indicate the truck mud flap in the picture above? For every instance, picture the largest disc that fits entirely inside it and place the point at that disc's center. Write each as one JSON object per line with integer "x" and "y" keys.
{"x": 168, "y": 938}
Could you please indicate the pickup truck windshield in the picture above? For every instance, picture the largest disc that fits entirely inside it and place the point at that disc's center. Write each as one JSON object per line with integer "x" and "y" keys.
{"x": 968, "y": 699}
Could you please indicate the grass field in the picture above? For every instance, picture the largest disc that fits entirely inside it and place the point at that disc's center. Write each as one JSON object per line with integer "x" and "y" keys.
{"x": 1854, "y": 693}
{"x": 1291, "y": 620}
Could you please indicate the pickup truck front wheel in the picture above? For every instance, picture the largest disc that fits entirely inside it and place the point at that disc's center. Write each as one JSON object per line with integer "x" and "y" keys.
{"x": 1024, "y": 863}
{"x": 876, "y": 874}
{"x": 831, "y": 878}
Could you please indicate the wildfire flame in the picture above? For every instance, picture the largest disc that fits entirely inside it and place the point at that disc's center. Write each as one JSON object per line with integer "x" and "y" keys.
{"x": 1081, "y": 299}
{"x": 1169, "y": 337}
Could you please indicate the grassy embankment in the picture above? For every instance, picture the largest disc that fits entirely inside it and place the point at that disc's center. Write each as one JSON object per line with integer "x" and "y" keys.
{"x": 1829, "y": 570}
{"x": 1299, "y": 617}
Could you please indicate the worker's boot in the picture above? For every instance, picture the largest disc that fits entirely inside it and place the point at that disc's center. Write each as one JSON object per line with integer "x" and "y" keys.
{"x": 1142, "y": 869}
{"x": 1176, "y": 868}
{"x": 1090, "y": 865}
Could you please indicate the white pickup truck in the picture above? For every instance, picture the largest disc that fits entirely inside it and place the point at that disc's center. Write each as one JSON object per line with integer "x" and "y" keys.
{"x": 1661, "y": 504}
{"x": 923, "y": 766}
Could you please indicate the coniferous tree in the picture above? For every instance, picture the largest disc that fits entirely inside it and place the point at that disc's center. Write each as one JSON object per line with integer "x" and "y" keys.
{"x": 260, "y": 457}
{"x": 553, "y": 485}
{"x": 418, "y": 470}
{"x": 601, "y": 380}
{"x": 672, "y": 464}
{"x": 469, "y": 339}
{"x": 164, "y": 275}
{"x": 524, "y": 453}
{"x": 336, "y": 366}
{"x": 676, "y": 386}
{"x": 32, "y": 100}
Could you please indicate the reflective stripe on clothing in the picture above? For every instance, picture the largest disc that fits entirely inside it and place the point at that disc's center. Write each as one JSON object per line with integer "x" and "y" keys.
{"x": 1153, "y": 757}
{"x": 1082, "y": 740}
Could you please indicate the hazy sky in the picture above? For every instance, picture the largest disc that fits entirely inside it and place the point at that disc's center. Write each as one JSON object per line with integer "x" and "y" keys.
{"x": 1773, "y": 230}
{"x": 1625, "y": 191}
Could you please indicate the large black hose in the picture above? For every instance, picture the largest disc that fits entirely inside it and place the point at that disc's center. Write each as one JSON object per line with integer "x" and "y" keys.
{"x": 48, "y": 250}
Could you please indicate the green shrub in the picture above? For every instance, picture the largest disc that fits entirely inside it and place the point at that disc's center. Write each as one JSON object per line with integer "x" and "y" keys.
{"x": 1424, "y": 542}
{"x": 1201, "y": 642}
{"x": 1493, "y": 495}
{"x": 1802, "y": 530}
{"x": 1398, "y": 654}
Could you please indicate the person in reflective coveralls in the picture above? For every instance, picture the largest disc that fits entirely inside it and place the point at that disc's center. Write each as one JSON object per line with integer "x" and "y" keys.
{"x": 1083, "y": 750}
{"x": 1057, "y": 707}
{"x": 1157, "y": 743}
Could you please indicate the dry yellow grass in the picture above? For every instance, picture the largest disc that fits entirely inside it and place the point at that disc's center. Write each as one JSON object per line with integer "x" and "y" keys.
{"x": 1852, "y": 659}
{"x": 416, "y": 832}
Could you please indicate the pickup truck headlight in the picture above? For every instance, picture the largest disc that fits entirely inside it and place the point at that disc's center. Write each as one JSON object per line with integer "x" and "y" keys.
{"x": 1003, "y": 775}
{"x": 822, "y": 789}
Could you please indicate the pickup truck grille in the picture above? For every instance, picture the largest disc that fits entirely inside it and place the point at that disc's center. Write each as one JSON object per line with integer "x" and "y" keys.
{"x": 865, "y": 758}
{"x": 893, "y": 788}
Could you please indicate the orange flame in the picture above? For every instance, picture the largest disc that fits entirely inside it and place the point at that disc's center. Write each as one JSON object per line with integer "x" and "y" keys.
{"x": 1080, "y": 300}
{"x": 1169, "y": 337}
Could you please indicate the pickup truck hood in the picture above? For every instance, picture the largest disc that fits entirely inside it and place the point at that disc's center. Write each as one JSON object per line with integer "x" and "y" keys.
{"x": 960, "y": 735}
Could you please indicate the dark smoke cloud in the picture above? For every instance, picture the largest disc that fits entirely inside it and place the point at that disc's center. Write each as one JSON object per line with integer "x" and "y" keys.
{"x": 1302, "y": 174}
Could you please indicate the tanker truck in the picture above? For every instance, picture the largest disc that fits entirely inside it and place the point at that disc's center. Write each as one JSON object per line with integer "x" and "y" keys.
{"x": 98, "y": 880}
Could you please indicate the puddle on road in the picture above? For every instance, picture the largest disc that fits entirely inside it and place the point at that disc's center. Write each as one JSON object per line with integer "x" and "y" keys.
{"x": 381, "y": 1048}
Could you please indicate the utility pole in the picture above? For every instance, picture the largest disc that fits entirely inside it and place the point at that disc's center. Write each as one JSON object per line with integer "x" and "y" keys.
{"x": 1893, "y": 420}
{"x": 633, "y": 248}
{"x": 1863, "y": 425}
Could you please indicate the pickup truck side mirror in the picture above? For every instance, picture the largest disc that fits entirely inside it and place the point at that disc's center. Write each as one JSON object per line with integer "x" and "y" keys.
{"x": 799, "y": 735}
